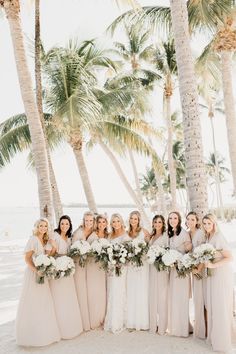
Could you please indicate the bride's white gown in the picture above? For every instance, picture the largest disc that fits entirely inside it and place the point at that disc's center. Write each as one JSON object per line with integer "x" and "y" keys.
{"x": 137, "y": 314}
{"x": 116, "y": 297}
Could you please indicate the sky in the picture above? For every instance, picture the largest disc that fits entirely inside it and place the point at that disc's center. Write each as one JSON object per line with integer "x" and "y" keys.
{"x": 61, "y": 20}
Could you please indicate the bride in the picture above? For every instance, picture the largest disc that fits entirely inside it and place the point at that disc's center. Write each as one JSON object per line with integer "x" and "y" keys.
{"x": 116, "y": 285}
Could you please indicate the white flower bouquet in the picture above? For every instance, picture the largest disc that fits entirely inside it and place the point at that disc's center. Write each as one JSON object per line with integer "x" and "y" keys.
{"x": 136, "y": 250}
{"x": 154, "y": 256}
{"x": 171, "y": 257}
{"x": 117, "y": 258}
{"x": 65, "y": 266}
{"x": 45, "y": 266}
{"x": 185, "y": 265}
{"x": 204, "y": 253}
{"x": 99, "y": 252}
{"x": 80, "y": 250}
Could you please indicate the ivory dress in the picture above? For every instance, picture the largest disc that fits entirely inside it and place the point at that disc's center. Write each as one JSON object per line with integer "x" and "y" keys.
{"x": 199, "y": 329}
{"x": 96, "y": 286}
{"x": 65, "y": 298}
{"x": 179, "y": 293}
{"x": 137, "y": 311}
{"x": 219, "y": 300}
{"x": 36, "y": 323}
{"x": 116, "y": 296}
{"x": 80, "y": 278}
{"x": 158, "y": 293}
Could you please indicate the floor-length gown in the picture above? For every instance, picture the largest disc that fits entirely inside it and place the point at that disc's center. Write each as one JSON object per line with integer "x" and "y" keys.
{"x": 65, "y": 298}
{"x": 199, "y": 329}
{"x": 158, "y": 293}
{"x": 96, "y": 286}
{"x": 36, "y": 323}
{"x": 219, "y": 300}
{"x": 137, "y": 310}
{"x": 80, "y": 278}
{"x": 116, "y": 296}
{"x": 179, "y": 293}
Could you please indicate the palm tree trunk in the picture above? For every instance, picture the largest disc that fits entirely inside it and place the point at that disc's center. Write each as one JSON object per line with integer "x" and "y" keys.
{"x": 125, "y": 181}
{"x": 230, "y": 114}
{"x": 12, "y": 9}
{"x": 163, "y": 209}
{"x": 217, "y": 174}
{"x": 58, "y": 210}
{"x": 76, "y": 144}
{"x": 171, "y": 165}
{"x": 138, "y": 190}
{"x": 195, "y": 169}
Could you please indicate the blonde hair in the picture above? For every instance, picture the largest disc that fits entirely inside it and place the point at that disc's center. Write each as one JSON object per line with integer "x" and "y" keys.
{"x": 88, "y": 213}
{"x": 213, "y": 219}
{"x": 101, "y": 216}
{"x": 36, "y": 226}
{"x": 139, "y": 228}
{"x": 116, "y": 215}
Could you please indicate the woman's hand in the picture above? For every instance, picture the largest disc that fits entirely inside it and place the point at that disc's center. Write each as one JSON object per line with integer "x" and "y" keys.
{"x": 210, "y": 265}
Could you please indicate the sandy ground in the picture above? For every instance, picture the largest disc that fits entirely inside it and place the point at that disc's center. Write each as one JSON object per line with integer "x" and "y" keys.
{"x": 93, "y": 342}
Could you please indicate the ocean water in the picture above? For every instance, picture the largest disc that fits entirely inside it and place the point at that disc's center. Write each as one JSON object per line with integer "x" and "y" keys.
{"x": 17, "y": 222}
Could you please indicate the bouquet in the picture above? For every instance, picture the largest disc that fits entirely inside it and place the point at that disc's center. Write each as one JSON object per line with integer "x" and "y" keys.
{"x": 154, "y": 256}
{"x": 117, "y": 258}
{"x": 204, "y": 253}
{"x": 46, "y": 266}
{"x": 80, "y": 250}
{"x": 171, "y": 257}
{"x": 185, "y": 265}
{"x": 65, "y": 266}
{"x": 136, "y": 249}
{"x": 99, "y": 252}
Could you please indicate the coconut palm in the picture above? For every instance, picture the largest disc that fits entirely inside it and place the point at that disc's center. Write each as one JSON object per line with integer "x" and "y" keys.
{"x": 165, "y": 63}
{"x": 12, "y": 10}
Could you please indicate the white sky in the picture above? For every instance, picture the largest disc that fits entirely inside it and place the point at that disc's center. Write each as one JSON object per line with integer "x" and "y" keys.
{"x": 61, "y": 20}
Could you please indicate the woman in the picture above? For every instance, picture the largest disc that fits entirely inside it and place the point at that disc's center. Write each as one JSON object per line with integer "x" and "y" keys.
{"x": 36, "y": 323}
{"x": 63, "y": 290}
{"x": 96, "y": 278}
{"x": 82, "y": 233}
{"x": 137, "y": 281}
{"x": 116, "y": 285}
{"x": 197, "y": 238}
{"x": 179, "y": 288}
{"x": 219, "y": 288}
{"x": 159, "y": 281}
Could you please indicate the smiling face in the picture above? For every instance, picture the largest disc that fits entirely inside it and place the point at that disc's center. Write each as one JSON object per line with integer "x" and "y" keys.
{"x": 101, "y": 224}
{"x": 208, "y": 226}
{"x": 158, "y": 224}
{"x": 88, "y": 222}
{"x": 64, "y": 225}
{"x": 134, "y": 220}
{"x": 173, "y": 220}
{"x": 116, "y": 223}
{"x": 42, "y": 228}
{"x": 191, "y": 221}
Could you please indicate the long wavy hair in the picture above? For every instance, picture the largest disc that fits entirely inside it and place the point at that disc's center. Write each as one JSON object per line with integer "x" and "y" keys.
{"x": 116, "y": 215}
{"x": 36, "y": 228}
{"x": 99, "y": 217}
{"x": 137, "y": 213}
{"x": 170, "y": 230}
{"x": 213, "y": 219}
{"x": 69, "y": 231}
{"x": 198, "y": 224}
{"x": 153, "y": 233}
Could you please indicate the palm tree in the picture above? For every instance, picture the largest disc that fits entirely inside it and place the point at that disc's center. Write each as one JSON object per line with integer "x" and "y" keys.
{"x": 165, "y": 62}
{"x": 12, "y": 9}
{"x": 134, "y": 54}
